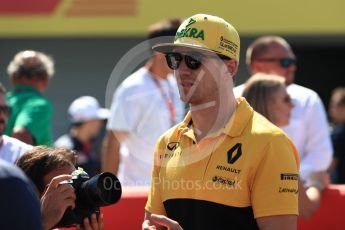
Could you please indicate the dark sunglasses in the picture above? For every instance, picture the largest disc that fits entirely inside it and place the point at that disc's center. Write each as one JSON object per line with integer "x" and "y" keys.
{"x": 192, "y": 60}
{"x": 284, "y": 62}
{"x": 5, "y": 109}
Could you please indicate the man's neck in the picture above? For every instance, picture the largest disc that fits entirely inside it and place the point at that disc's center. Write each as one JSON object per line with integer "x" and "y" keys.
{"x": 34, "y": 84}
{"x": 212, "y": 116}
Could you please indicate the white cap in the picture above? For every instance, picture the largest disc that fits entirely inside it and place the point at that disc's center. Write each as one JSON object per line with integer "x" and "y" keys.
{"x": 86, "y": 108}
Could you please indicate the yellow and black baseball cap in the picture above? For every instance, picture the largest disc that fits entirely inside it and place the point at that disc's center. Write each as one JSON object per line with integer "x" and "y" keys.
{"x": 207, "y": 33}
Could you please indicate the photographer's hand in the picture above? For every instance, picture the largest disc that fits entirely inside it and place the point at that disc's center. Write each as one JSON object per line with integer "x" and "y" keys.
{"x": 94, "y": 225}
{"x": 55, "y": 200}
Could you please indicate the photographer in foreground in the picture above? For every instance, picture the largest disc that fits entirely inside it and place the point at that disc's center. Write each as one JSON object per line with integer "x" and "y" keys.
{"x": 47, "y": 168}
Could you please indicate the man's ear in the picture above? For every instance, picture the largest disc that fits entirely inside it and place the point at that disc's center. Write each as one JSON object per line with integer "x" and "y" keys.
{"x": 232, "y": 66}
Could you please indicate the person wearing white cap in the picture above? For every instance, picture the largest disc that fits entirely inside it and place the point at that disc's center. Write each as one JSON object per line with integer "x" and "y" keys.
{"x": 86, "y": 117}
{"x": 224, "y": 166}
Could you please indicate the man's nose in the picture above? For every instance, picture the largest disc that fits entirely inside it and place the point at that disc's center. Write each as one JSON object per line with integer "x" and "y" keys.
{"x": 183, "y": 69}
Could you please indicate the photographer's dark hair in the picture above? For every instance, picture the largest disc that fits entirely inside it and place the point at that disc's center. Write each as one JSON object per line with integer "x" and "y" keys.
{"x": 42, "y": 160}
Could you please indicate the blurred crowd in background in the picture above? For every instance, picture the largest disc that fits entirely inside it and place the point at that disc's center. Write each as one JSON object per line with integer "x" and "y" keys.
{"x": 121, "y": 139}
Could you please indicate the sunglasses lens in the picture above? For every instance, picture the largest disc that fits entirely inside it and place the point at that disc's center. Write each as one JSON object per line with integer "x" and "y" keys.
{"x": 173, "y": 60}
{"x": 287, "y": 62}
{"x": 193, "y": 62}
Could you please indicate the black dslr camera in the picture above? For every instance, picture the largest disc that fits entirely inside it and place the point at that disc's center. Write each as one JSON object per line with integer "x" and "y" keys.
{"x": 91, "y": 193}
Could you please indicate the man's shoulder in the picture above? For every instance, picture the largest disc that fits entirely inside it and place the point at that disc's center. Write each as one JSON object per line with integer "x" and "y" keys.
{"x": 263, "y": 133}
{"x": 299, "y": 91}
{"x": 15, "y": 144}
{"x": 303, "y": 98}
{"x": 136, "y": 80}
{"x": 248, "y": 122}
{"x": 263, "y": 128}
{"x": 238, "y": 90}
{"x": 39, "y": 100}
{"x": 28, "y": 101}
{"x": 171, "y": 135}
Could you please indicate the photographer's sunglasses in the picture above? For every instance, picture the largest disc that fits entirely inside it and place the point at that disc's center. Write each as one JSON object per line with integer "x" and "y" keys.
{"x": 5, "y": 109}
{"x": 192, "y": 60}
{"x": 283, "y": 62}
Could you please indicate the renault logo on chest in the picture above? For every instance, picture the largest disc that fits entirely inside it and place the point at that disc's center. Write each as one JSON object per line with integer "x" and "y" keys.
{"x": 234, "y": 153}
{"x": 173, "y": 145}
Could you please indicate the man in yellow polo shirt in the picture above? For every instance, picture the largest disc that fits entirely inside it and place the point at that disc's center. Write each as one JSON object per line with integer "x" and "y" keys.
{"x": 225, "y": 166}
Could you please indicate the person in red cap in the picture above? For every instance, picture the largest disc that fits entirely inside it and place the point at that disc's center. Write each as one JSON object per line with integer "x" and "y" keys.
{"x": 224, "y": 166}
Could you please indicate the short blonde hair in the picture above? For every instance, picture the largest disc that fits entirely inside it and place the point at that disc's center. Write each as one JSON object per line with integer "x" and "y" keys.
{"x": 29, "y": 63}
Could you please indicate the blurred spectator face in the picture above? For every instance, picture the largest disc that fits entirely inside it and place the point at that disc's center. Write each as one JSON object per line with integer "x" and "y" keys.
{"x": 337, "y": 110}
{"x": 163, "y": 64}
{"x": 93, "y": 127}
{"x": 278, "y": 60}
{"x": 4, "y": 113}
{"x": 281, "y": 107}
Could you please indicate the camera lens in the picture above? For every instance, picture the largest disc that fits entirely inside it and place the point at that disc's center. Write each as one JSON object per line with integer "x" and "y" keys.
{"x": 101, "y": 190}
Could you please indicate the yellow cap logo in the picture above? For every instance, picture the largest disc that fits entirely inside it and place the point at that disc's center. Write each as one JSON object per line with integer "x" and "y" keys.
{"x": 190, "y": 32}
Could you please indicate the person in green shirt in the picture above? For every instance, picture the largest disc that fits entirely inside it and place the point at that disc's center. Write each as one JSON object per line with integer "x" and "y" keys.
{"x": 31, "y": 115}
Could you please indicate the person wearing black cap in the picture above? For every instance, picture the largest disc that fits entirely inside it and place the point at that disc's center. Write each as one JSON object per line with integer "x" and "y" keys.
{"x": 224, "y": 166}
